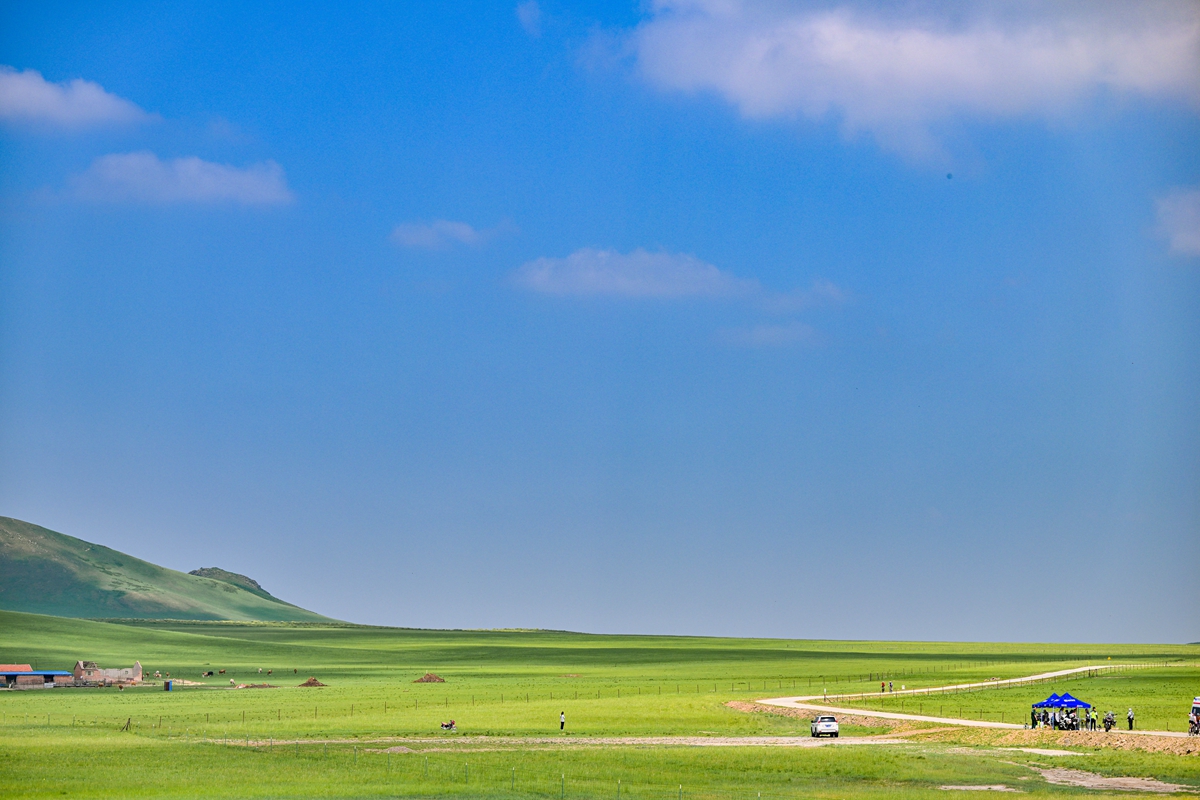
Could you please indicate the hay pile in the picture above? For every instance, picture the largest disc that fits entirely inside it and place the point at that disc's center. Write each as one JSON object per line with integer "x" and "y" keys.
{"x": 429, "y": 677}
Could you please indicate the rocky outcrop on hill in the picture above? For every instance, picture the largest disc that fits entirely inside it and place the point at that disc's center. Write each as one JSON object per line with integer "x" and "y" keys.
{"x": 242, "y": 581}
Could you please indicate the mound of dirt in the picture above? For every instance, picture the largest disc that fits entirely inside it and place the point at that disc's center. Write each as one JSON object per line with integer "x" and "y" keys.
{"x": 429, "y": 677}
{"x": 311, "y": 682}
{"x": 1049, "y": 739}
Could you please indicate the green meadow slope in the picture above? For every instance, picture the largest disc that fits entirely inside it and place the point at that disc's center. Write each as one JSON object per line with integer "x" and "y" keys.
{"x": 45, "y": 572}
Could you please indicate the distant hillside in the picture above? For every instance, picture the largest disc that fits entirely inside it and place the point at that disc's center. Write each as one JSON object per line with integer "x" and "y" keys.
{"x": 44, "y": 572}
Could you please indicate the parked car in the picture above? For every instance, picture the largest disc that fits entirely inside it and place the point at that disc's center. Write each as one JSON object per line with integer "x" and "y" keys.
{"x": 824, "y": 726}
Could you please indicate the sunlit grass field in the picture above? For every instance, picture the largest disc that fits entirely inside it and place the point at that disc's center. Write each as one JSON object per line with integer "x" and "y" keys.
{"x": 511, "y": 686}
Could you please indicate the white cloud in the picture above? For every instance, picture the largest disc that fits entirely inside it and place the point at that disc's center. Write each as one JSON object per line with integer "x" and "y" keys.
{"x": 1179, "y": 220}
{"x": 28, "y": 97}
{"x": 786, "y": 334}
{"x": 822, "y": 292}
{"x": 898, "y": 72}
{"x": 437, "y": 234}
{"x": 636, "y": 274}
{"x": 529, "y": 14}
{"x": 143, "y": 177}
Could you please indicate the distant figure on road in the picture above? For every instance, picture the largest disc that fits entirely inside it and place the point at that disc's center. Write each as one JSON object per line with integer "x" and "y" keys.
{"x": 1129, "y": 717}
{"x": 1033, "y": 718}
{"x": 562, "y": 721}
{"x": 890, "y": 687}
{"x": 882, "y": 686}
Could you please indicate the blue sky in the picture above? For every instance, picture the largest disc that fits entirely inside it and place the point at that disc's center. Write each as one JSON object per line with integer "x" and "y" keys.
{"x": 823, "y": 320}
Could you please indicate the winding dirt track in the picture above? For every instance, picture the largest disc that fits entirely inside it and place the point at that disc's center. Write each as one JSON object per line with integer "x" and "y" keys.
{"x": 806, "y": 703}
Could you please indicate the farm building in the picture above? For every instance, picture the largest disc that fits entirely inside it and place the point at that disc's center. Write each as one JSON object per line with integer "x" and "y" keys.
{"x": 23, "y": 676}
{"x": 88, "y": 673}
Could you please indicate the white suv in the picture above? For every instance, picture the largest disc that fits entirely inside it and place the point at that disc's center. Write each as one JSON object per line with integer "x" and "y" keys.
{"x": 824, "y": 726}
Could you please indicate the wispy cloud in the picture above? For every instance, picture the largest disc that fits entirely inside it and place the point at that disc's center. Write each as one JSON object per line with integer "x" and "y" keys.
{"x": 144, "y": 178}
{"x": 899, "y": 72}
{"x": 821, "y": 293}
{"x": 641, "y": 273}
{"x": 27, "y": 97}
{"x": 440, "y": 233}
{"x": 636, "y": 274}
{"x": 769, "y": 335}
{"x": 529, "y": 14}
{"x": 1179, "y": 220}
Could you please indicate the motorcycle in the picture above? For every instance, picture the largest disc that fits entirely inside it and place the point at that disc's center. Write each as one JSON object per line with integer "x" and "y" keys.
{"x": 1109, "y": 722}
{"x": 449, "y": 726}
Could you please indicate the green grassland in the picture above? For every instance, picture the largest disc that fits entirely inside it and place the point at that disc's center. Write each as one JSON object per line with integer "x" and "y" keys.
{"x": 52, "y": 573}
{"x": 509, "y": 687}
{"x": 80, "y": 764}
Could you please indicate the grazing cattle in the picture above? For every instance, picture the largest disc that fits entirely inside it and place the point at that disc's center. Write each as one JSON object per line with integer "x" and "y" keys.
{"x": 231, "y": 681}
{"x": 270, "y": 671}
{"x": 206, "y": 674}
{"x": 260, "y": 670}
{"x": 221, "y": 671}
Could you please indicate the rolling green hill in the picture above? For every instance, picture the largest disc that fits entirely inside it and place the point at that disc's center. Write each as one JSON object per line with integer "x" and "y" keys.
{"x": 45, "y": 572}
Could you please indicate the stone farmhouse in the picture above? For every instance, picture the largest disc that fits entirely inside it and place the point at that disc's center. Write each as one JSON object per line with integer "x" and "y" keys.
{"x": 87, "y": 673}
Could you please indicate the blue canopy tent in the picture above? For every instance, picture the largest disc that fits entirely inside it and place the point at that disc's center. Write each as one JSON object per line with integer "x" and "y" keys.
{"x": 1049, "y": 702}
{"x": 1062, "y": 701}
{"x": 1067, "y": 701}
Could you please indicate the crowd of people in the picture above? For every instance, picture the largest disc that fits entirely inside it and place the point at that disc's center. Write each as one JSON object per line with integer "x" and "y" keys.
{"x": 1068, "y": 719}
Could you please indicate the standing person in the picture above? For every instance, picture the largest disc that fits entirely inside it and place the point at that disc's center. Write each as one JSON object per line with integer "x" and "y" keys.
{"x": 890, "y": 688}
{"x": 562, "y": 721}
{"x": 1033, "y": 718}
{"x": 881, "y": 687}
{"x": 1129, "y": 717}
